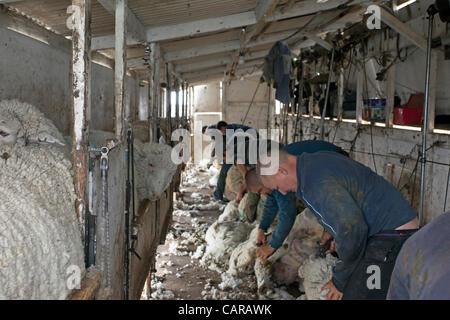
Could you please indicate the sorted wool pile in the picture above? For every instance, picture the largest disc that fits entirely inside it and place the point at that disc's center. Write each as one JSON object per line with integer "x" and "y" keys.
{"x": 154, "y": 169}
{"x": 39, "y": 233}
{"x": 315, "y": 272}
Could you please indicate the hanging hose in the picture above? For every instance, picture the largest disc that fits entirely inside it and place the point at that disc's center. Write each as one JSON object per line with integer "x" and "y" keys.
{"x": 322, "y": 120}
{"x": 300, "y": 104}
{"x": 105, "y": 213}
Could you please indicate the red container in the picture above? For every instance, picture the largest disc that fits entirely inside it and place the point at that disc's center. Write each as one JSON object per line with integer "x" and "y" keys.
{"x": 411, "y": 112}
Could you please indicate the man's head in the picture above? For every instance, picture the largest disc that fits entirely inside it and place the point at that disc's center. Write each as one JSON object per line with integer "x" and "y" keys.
{"x": 222, "y": 127}
{"x": 276, "y": 168}
{"x": 254, "y": 183}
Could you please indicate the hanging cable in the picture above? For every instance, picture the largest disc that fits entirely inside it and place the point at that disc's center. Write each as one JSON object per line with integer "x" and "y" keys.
{"x": 371, "y": 145}
{"x": 251, "y": 102}
{"x": 446, "y": 189}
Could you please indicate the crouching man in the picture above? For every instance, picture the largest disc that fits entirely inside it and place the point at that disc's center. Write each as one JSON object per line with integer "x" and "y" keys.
{"x": 284, "y": 204}
{"x": 368, "y": 217}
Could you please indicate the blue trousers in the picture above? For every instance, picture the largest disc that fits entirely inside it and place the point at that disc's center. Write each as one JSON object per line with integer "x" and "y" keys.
{"x": 220, "y": 189}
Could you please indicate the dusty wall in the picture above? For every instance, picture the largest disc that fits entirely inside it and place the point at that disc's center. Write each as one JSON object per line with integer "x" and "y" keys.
{"x": 207, "y": 98}
{"x": 239, "y": 96}
{"x": 36, "y": 73}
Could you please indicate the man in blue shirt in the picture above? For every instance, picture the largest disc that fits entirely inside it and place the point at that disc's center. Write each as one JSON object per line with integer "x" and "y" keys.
{"x": 367, "y": 216}
{"x": 277, "y": 202}
{"x": 227, "y": 131}
{"x": 422, "y": 270}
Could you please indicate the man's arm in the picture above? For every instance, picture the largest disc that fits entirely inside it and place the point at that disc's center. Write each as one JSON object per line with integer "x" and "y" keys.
{"x": 286, "y": 219}
{"x": 269, "y": 212}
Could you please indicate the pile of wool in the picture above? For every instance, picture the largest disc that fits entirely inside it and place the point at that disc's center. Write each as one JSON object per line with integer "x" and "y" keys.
{"x": 39, "y": 232}
{"x": 223, "y": 236}
{"x": 242, "y": 259}
{"x": 315, "y": 272}
{"x": 154, "y": 169}
{"x": 230, "y": 212}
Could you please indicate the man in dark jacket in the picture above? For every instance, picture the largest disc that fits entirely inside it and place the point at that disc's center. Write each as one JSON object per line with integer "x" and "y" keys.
{"x": 277, "y": 202}
{"x": 367, "y": 216}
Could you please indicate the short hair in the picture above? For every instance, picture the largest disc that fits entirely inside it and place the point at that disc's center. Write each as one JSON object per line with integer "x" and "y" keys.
{"x": 221, "y": 124}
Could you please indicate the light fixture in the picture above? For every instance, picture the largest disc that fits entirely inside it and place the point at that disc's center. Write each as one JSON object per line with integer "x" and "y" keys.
{"x": 241, "y": 58}
{"x": 402, "y": 5}
{"x": 322, "y": 1}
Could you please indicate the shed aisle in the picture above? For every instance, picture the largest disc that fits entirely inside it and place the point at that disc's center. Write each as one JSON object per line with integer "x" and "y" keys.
{"x": 179, "y": 271}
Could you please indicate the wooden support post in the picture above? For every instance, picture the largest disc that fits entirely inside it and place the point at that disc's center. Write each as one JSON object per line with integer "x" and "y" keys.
{"x": 156, "y": 93}
{"x": 226, "y": 89}
{"x": 81, "y": 41}
{"x": 177, "y": 103}
{"x": 390, "y": 94}
{"x": 120, "y": 68}
{"x": 359, "y": 96}
{"x": 89, "y": 286}
{"x": 341, "y": 84}
{"x": 311, "y": 101}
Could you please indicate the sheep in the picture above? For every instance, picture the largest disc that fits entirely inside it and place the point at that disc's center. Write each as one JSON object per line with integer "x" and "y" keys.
{"x": 224, "y": 235}
{"x": 40, "y": 239}
{"x": 316, "y": 272}
{"x": 154, "y": 169}
{"x": 23, "y": 121}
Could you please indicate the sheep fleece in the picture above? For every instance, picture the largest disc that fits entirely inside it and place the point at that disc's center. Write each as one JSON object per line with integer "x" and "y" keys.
{"x": 39, "y": 234}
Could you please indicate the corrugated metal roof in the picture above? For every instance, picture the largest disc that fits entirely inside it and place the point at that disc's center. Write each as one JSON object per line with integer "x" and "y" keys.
{"x": 53, "y": 13}
{"x": 157, "y": 12}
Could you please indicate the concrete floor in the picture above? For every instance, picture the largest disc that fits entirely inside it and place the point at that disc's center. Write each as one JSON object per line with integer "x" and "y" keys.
{"x": 181, "y": 274}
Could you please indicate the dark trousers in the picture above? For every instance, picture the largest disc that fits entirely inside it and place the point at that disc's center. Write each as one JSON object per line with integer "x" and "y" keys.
{"x": 220, "y": 189}
{"x": 371, "y": 277}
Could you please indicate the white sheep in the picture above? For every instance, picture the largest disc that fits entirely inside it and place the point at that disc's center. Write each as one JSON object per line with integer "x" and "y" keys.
{"x": 154, "y": 169}
{"x": 23, "y": 121}
{"x": 316, "y": 272}
{"x": 40, "y": 240}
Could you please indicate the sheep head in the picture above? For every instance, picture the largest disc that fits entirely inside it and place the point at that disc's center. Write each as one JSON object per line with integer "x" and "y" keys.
{"x": 8, "y": 131}
{"x": 20, "y": 120}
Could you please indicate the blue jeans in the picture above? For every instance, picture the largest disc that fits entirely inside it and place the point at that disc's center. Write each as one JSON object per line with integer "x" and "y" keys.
{"x": 218, "y": 194}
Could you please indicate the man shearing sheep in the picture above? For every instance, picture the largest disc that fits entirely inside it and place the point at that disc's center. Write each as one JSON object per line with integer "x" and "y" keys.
{"x": 367, "y": 216}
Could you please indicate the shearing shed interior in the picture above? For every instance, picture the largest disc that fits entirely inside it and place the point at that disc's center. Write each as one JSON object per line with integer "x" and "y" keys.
{"x": 98, "y": 97}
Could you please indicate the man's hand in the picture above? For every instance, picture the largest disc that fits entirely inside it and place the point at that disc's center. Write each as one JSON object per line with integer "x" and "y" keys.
{"x": 261, "y": 237}
{"x": 239, "y": 197}
{"x": 333, "y": 293}
{"x": 323, "y": 240}
{"x": 265, "y": 251}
